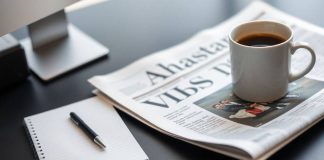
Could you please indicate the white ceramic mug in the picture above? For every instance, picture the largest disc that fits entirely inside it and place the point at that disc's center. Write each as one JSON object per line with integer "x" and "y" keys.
{"x": 262, "y": 74}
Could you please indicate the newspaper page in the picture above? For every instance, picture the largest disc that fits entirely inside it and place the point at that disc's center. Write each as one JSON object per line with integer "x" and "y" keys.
{"x": 186, "y": 90}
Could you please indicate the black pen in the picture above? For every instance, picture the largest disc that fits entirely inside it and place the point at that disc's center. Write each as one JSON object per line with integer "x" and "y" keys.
{"x": 85, "y": 128}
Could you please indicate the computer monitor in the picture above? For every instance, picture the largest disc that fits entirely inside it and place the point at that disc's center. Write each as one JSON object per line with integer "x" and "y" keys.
{"x": 54, "y": 45}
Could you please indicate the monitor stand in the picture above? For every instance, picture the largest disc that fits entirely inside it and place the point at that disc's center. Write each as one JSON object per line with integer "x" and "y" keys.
{"x": 56, "y": 47}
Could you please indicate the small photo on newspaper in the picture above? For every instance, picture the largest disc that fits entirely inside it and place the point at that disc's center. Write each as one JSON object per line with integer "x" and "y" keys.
{"x": 225, "y": 104}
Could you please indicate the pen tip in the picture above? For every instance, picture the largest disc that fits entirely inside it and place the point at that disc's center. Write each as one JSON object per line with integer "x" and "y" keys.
{"x": 98, "y": 141}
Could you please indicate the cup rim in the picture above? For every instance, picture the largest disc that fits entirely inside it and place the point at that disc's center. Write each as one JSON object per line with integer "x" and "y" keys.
{"x": 261, "y": 21}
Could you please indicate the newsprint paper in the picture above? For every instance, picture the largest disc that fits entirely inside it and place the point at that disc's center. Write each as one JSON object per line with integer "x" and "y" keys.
{"x": 185, "y": 92}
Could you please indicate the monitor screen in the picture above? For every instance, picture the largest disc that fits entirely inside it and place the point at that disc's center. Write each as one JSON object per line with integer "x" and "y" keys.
{"x": 17, "y": 13}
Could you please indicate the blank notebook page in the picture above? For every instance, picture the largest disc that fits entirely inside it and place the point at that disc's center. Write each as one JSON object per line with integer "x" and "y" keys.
{"x": 56, "y": 137}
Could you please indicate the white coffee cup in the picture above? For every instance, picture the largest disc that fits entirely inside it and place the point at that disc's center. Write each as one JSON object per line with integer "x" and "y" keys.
{"x": 262, "y": 74}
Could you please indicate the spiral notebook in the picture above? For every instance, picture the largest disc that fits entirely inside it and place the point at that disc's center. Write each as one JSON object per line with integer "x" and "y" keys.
{"x": 55, "y": 137}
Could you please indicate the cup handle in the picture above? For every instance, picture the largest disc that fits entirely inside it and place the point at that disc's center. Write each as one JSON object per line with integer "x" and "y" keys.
{"x": 294, "y": 48}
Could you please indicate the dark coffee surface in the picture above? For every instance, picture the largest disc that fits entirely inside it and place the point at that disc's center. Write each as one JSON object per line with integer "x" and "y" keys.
{"x": 261, "y": 40}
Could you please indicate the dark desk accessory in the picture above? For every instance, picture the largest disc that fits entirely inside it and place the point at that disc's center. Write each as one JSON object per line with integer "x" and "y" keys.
{"x": 13, "y": 63}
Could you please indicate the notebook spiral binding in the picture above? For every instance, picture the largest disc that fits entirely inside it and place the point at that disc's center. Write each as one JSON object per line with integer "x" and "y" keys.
{"x": 34, "y": 139}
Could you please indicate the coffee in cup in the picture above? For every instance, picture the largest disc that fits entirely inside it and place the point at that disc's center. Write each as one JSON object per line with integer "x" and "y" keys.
{"x": 261, "y": 40}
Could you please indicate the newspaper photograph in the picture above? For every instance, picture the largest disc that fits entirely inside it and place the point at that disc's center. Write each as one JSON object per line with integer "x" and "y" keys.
{"x": 225, "y": 104}
{"x": 185, "y": 91}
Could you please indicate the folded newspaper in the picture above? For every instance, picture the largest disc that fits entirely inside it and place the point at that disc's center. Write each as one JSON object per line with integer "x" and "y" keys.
{"x": 185, "y": 92}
